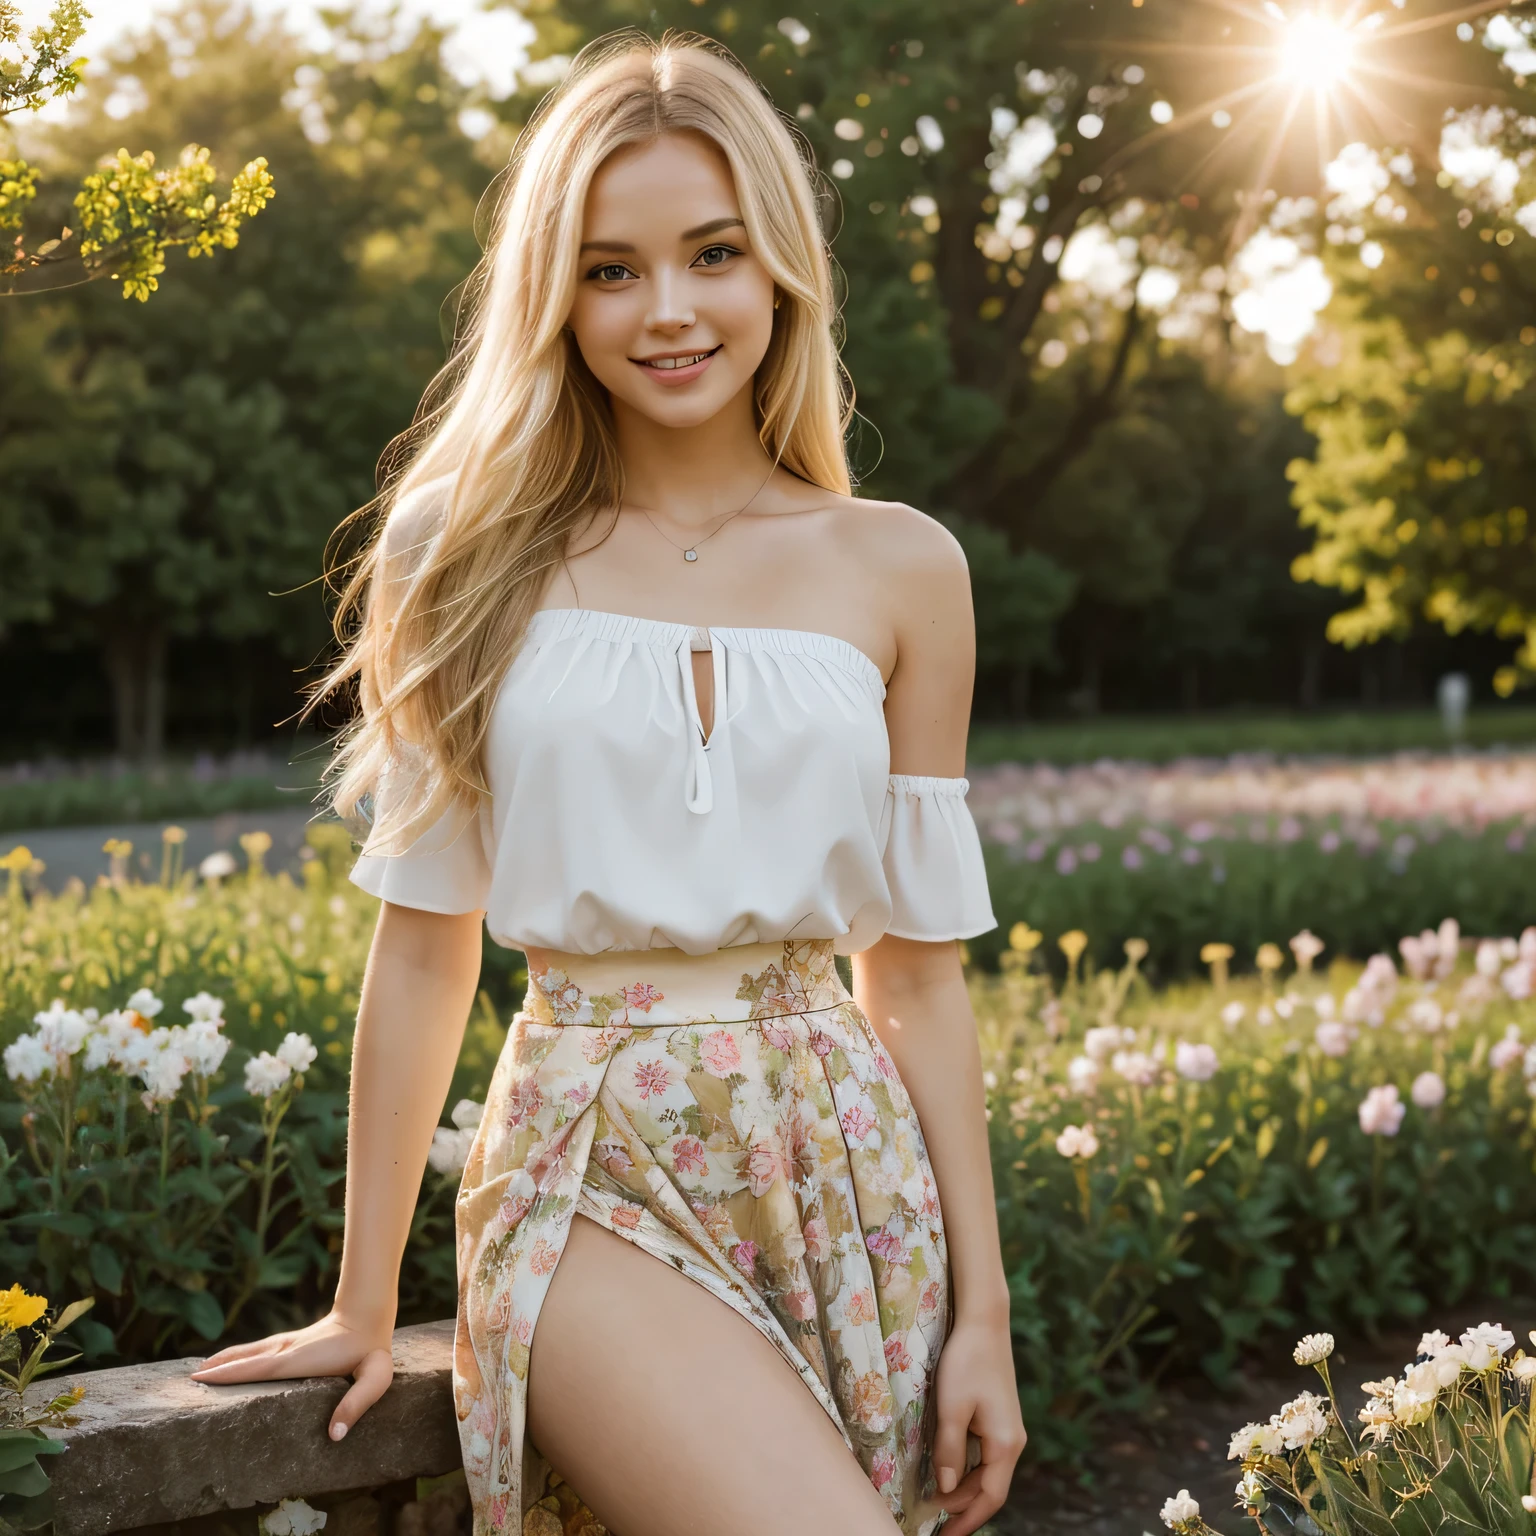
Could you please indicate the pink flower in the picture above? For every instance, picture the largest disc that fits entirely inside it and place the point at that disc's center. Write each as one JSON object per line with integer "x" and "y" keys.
{"x": 499, "y": 1313}
{"x": 778, "y": 1035}
{"x": 544, "y": 1257}
{"x": 513, "y": 1208}
{"x": 857, "y": 1122}
{"x": 888, "y": 1245}
{"x": 596, "y": 1043}
{"x": 801, "y": 1305}
{"x": 1381, "y": 1111}
{"x": 765, "y": 1165}
{"x": 882, "y": 1469}
{"x": 614, "y": 1156}
{"x": 523, "y": 1330}
{"x": 652, "y": 1078}
{"x": 929, "y": 1300}
{"x": 720, "y": 1053}
{"x": 861, "y": 1307}
{"x": 524, "y": 1101}
{"x": 887, "y": 1066}
{"x": 580, "y": 1093}
{"x": 626, "y": 1216}
{"x": 499, "y": 1512}
{"x": 818, "y": 1239}
{"x": 641, "y": 995}
{"x": 872, "y": 1402}
{"x": 897, "y": 1356}
{"x": 744, "y": 1256}
{"x": 688, "y": 1155}
{"x": 822, "y": 1043}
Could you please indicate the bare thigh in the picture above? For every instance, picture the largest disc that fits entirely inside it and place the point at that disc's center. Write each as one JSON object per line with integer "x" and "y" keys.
{"x": 671, "y": 1415}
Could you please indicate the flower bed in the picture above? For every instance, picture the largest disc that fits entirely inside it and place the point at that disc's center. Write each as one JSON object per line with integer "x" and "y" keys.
{"x": 1182, "y": 1173}
{"x": 1245, "y": 850}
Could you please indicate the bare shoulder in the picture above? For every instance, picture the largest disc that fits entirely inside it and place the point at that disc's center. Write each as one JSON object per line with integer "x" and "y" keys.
{"x": 914, "y": 559}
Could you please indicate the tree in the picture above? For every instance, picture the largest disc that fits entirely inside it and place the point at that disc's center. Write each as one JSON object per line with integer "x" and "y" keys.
{"x": 1421, "y": 392}
{"x": 1031, "y": 243}
{"x": 177, "y": 471}
{"x": 128, "y": 212}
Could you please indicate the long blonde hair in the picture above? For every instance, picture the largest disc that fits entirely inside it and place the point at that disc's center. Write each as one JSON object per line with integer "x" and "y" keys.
{"x": 513, "y": 446}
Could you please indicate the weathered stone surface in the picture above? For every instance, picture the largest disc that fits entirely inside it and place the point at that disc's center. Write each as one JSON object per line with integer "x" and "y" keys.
{"x": 154, "y": 1446}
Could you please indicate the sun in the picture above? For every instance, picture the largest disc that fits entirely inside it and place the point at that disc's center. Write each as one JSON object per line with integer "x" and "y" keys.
{"x": 1316, "y": 51}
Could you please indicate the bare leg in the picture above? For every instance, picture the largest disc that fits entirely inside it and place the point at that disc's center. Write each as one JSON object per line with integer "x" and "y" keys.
{"x": 672, "y": 1416}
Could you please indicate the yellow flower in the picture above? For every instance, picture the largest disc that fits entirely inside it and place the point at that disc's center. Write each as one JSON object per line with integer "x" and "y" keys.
{"x": 1215, "y": 954}
{"x": 17, "y": 861}
{"x": 256, "y": 844}
{"x": 1269, "y": 957}
{"x": 1136, "y": 950}
{"x": 1024, "y": 938}
{"x": 19, "y": 1310}
{"x": 1072, "y": 944}
{"x": 174, "y": 835}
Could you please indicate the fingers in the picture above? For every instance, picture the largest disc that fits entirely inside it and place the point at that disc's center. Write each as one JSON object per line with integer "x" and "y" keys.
{"x": 369, "y": 1383}
{"x": 233, "y": 1352}
{"x": 949, "y": 1443}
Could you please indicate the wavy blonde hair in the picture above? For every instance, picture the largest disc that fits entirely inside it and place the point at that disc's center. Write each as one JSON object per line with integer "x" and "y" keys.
{"x": 513, "y": 445}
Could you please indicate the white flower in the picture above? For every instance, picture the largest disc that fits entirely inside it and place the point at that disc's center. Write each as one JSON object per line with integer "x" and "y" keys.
{"x": 1523, "y": 1369}
{"x": 217, "y": 865}
{"x": 1517, "y": 982}
{"x": 1431, "y": 1377}
{"x": 1434, "y": 1343}
{"x": 1508, "y": 1051}
{"x": 1285, "y": 1006}
{"x": 144, "y": 1003}
{"x": 1378, "y": 1418}
{"x": 293, "y": 1517}
{"x": 1410, "y": 1406}
{"x": 1232, "y": 1015}
{"x": 1256, "y": 1440}
{"x": 1301, "y": 1421}
{"x": 297, "y": 1052}
{"x": 1306, "y": 946}
{"x": 1313, "y": 1349}
{"x": 1428, "y": 1090}
{"x": 1135, "y": 1067}
{"x": 1265, "y": 1015}
{"x": 27, "y": 1059}
{"x": 162, "y": 1073}
{"x": 467, "y": 1114}
{"x": 1250, "y": 1490}
{"x": 1324, "y": 1005}
{"x": 1486, "y": 1345}
{"x": 450, "y": 1149}
{"x": 1077, "y": 1141}
{"x": 1177, "y": 1511}
{"x": 265, "y": 1074}
{"x": 1382, "y": 1111}
{"x": 62, "y": 1030}
{"x": 1100, "y": 1042}
{"x": 1196, "y": 1062}
{"x": 204, "y": 1046}
{"x": 1427, "y": 1014}
{"x": 1528, "y": 1503}
{"x": 205, "y": 1008}
{"x": 1082, "y": 1074}
{"x": 1333, "y": 1037}
{"x": 1488, "y": 958}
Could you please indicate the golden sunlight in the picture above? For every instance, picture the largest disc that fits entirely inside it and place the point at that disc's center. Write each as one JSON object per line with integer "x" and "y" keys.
{"x": 1316, "y": 51}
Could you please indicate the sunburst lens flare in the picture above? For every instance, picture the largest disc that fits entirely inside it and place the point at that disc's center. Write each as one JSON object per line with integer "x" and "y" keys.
{"x": 1316, "y": 51}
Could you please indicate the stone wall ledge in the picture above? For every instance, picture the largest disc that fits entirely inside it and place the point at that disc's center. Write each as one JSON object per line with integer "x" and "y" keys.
{"x": 153, "y": 1447}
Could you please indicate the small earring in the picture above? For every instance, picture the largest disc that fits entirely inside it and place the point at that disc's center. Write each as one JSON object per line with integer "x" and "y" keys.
{"x": 778, "y": 299}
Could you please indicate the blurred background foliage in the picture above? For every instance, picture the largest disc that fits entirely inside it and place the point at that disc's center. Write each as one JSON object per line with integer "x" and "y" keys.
{"x": 1043, "y": 270}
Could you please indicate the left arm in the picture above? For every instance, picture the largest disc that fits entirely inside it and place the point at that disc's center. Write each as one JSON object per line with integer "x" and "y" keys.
{"x": 914, "y": 995}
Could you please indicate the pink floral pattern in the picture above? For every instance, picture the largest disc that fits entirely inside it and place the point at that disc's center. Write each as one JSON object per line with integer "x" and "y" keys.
{"x": 765, "y": 1147}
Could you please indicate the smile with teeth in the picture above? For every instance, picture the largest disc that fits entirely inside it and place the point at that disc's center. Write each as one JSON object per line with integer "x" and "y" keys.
{"x": 676, "y": 362}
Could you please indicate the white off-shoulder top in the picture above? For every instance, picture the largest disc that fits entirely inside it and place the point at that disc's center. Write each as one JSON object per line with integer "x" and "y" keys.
{"x": 613, "y": 824}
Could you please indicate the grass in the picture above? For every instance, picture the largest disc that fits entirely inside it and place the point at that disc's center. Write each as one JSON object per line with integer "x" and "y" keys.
{"x": 1164, "y": 738}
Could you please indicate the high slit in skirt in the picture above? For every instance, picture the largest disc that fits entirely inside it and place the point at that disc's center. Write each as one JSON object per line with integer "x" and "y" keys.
{"x": 734, "y": 1115}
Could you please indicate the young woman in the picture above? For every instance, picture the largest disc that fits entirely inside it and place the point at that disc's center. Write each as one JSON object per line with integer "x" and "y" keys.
{"x": 647, "y": 689}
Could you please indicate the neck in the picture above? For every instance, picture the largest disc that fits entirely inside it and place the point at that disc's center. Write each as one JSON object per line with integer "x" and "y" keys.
{"x": 691, "y": 475}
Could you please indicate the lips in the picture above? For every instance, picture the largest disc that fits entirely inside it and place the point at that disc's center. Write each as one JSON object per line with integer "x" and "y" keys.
{"x": 672, "y": 364}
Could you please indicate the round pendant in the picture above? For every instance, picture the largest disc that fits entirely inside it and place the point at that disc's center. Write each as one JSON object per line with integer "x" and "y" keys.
{"x": 690, "y": 554}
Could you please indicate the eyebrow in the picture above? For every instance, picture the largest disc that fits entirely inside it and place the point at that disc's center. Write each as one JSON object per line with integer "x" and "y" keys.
{"x": 714, "y": 227}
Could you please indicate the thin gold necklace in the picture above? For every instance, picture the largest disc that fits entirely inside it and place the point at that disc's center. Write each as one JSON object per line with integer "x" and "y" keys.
{"x": 691, "y": 551}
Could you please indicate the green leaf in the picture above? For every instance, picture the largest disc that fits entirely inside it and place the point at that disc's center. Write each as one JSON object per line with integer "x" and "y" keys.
{"x": 26, "y": 1480}
{"x": 21, "y": 1447}
{"x": 204, "y": 1313}
{"x": 74, "y": 1310}
{"x": 106, "y": 1269}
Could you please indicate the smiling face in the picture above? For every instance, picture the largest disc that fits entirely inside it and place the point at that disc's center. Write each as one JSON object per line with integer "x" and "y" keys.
{"x": 673, "y": 311}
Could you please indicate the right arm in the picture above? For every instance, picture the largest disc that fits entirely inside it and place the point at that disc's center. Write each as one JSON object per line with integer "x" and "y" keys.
{"x": 417, "y": 990}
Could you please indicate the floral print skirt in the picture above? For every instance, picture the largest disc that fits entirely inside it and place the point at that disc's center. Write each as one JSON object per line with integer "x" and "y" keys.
{"x": 734, "y": 1115}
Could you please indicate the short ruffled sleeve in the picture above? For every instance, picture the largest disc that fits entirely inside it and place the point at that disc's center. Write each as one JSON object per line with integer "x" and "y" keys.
{"x": 445, "y": 870}
{"x": 932, "y": 860}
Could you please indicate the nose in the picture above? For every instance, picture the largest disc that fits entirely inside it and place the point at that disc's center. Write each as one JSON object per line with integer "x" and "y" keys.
{"x": 670, "y": 309}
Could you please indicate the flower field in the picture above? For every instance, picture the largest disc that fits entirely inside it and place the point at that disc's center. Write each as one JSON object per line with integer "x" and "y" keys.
{"x": 1247, "y": 849}
{"x": 1186, "y": 1174}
